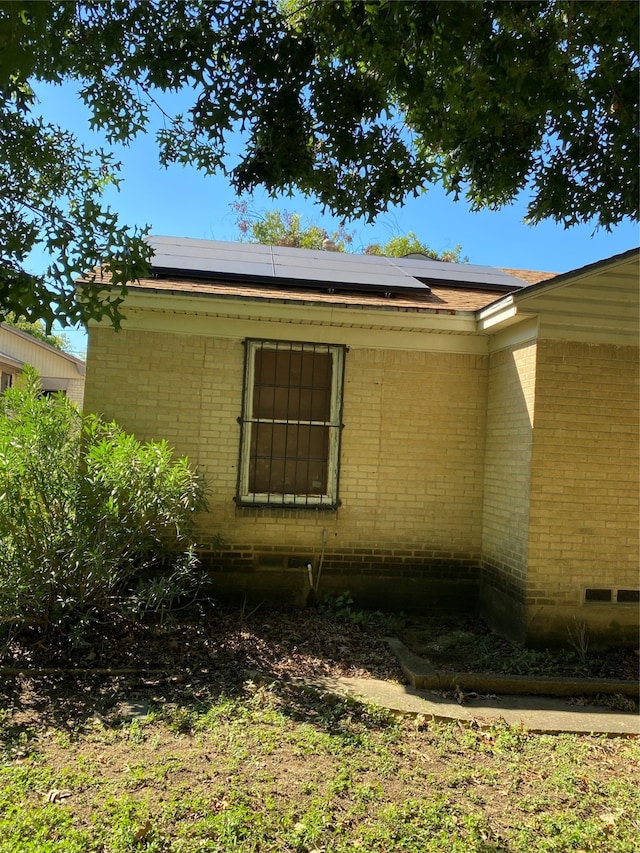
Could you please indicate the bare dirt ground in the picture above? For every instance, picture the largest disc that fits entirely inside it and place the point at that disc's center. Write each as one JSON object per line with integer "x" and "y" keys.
{"x": 219, "y": 639}
{"x": 225, "y": 641}
{"x": 220, "y": 648}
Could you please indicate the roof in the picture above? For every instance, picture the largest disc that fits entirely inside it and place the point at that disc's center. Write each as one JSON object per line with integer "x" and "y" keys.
{"x": 253, "y": 271}
{"x": 25, "y": 336}
{"x": 175, "y": 256}
{"x": 598, "y": 302}
{"x": 241, "y": 276}
{"x": 437, "y": 298}
{"x": 530, "y": 276}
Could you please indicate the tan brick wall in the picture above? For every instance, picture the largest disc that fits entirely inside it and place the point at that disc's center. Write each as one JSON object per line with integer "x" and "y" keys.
{"x": 413, "y": 449}
{"x": 510, "y": 407}
{"x": 411, "y": 461}
{"x": 584, "y": 487}
{"x": 186, "y": 389}
{"x": 75, "y": 391}
{"x": 439, "y": 464}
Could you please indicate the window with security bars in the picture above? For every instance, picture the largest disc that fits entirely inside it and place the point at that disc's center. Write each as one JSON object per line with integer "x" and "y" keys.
{"x": 291, "y": 424}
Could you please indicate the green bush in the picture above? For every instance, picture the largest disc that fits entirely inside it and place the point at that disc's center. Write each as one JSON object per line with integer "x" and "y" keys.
{"x": 86, "y": 512}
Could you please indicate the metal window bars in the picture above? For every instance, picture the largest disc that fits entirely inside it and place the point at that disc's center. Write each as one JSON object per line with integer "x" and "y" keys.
{"x": 291, "y": 423}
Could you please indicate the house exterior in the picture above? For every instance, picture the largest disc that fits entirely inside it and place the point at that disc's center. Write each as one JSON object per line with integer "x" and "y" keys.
{"x": 58, "y": 370}
{"x": 423, "y": 435}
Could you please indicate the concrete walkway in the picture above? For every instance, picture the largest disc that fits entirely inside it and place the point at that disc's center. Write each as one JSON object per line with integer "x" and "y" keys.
{"x": 540, "y": 705}
{"x": 542, "y": 714}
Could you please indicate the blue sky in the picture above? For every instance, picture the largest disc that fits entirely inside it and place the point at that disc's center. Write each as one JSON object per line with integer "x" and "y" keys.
{"x": 183, "y": 202}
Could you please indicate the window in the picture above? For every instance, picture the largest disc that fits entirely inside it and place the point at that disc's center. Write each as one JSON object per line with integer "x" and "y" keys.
{"x": 291, "y": 423}
{"x": 6, "y": 381}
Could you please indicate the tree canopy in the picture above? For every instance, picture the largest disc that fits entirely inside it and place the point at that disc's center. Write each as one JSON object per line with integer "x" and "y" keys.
{"x": 37, "y": 330}
{"x": 281, "y": 228}
{"x": 360, "y": 104}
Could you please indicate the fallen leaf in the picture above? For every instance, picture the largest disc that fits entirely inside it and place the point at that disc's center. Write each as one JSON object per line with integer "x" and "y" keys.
{"x": 610, "y": 818}
{"x": 54, "y": 795}
{"x": 142, "y": 832}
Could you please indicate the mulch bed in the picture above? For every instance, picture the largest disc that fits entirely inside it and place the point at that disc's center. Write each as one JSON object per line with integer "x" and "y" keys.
{"x": 215, "y": 652}
{"x": 465, "y": 644}
{"x": 222, "y": 640}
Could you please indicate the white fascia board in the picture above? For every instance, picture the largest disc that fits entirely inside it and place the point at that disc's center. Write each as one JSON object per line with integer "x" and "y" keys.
{"x": 498, "y": 313}
{"x": 514, "y": 334}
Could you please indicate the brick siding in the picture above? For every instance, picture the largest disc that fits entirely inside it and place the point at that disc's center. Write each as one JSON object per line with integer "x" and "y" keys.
{"x": 510, "y": 409}
{"x": 584, "y": 485}
{"x": 523, "y": 462}
{"x": 411, "y": 463}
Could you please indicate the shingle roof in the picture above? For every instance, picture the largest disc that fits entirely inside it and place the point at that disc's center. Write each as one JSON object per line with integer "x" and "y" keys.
{"x": 439, "y": 298}
{"x": 530, "y": 276}
{"x": 275, "y": 273}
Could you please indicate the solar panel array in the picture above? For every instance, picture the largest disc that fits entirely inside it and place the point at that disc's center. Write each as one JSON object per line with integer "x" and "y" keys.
{"x": 251, "y": 262}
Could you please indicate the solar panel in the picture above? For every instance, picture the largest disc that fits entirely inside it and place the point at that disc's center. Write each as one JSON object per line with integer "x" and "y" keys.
{"x": 207, "y": 256}
{"x": 470, "y": 274}
{"x": 251, "y": 262}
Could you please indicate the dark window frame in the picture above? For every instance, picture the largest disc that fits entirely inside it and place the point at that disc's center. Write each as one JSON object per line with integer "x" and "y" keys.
{"x": 327, "y": 429}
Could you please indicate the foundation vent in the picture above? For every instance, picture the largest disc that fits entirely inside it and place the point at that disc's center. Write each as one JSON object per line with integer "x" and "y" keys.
{"x": 598, "y": 594}
{"x": 628, "y": 596}
{"x": 281, "y": 562}
{"x": 614, "y": 596}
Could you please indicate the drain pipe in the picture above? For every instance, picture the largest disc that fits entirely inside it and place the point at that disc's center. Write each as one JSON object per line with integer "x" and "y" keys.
{"x": 325, "y": 539}
{"x": 314, "y": 587}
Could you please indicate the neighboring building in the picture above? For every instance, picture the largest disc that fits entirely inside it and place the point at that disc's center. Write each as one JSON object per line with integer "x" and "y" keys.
{"x": 58, "y": 370}
{"x": 424, "y": 435}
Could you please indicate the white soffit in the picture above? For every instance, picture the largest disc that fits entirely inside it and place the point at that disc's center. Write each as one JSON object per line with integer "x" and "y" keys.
{"x": 363, "y": 334}
{"x": 156, "y": 302}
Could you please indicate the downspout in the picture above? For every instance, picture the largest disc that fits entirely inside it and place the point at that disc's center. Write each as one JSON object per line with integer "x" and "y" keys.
{"x": 315, "y": 586}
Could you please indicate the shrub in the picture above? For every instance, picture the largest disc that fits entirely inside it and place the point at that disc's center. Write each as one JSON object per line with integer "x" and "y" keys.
{"x": 86, "y": 511}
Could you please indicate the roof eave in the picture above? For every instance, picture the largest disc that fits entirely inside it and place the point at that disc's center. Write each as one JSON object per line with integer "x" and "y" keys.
{"x": 78, "y": 362}
{"x": 534, "y": 290}
{"x": 497, "y": 315}
{"x": 446, "y": 319}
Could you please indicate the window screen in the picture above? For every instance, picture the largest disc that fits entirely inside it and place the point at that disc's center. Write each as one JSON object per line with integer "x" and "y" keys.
{"x": 291, "y": 423}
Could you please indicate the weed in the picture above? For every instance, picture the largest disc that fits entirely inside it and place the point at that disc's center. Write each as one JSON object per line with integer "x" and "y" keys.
{"x": 180, "y": 720}
{"x": 341, "y": 782}
{"x": 342, "y": 607}
{"x": 465, "y": 644}
{"x": 43, "y": 828}
{"x": 258, "y": 773}
{"x": 579, "y": 641}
